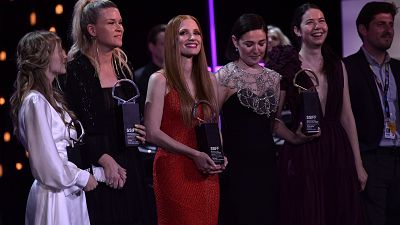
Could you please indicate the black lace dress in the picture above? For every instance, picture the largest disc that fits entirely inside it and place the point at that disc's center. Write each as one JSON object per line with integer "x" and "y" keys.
{"x": 249, "y": 185}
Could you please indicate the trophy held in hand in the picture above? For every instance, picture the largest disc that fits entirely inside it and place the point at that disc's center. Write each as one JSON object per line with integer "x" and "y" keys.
{"x": 309, "y": 104}
{"x": 130, "y": 113}
{"x": 76, "y": 150}
{"x": 207, "y": 134}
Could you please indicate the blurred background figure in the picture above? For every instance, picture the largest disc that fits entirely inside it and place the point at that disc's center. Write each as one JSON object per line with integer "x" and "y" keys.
{"x": 281, "y": 57}
{"x": 275, "y": 37}
{"x": 155, "y": 47}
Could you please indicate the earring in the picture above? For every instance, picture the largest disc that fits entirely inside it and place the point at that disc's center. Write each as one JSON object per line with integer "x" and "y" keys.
{"x": 93, "y": 38}
{"x": 236, "y": 49}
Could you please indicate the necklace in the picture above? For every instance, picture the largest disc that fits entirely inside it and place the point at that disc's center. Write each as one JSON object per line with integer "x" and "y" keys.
{"x": 256, "y": 91}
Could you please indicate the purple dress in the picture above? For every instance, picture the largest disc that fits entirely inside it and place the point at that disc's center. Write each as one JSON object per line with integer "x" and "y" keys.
{"x": 318, "y": 179}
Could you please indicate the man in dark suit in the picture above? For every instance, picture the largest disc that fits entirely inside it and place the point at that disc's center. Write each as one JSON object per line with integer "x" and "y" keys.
{"x": 155, "y": 46}
{"x": 374, "y": 92}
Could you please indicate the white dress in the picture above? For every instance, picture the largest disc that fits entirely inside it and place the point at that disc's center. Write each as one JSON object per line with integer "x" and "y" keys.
{"x": 56, "y": 196}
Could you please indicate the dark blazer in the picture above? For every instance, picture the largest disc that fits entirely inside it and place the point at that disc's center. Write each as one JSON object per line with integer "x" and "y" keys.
{"x": 364, "y": 97}
{"x": 142, "y": 76}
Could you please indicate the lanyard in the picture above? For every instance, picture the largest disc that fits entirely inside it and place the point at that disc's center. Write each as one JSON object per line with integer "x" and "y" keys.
{"x": 384, "y": 89}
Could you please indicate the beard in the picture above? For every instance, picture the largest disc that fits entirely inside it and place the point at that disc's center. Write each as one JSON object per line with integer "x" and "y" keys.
{"x": 386, "y": 41}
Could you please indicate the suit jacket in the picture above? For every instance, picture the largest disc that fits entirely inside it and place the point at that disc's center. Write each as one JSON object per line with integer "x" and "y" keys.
{"x": 142, "y": 76}
{"x": 365, "y": 100}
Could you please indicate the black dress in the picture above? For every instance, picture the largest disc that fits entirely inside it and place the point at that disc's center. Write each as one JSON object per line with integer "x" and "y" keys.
{"x": 102, "y": 120}
{"x": 318, "y": 179}
{"x": 249, "y": 185}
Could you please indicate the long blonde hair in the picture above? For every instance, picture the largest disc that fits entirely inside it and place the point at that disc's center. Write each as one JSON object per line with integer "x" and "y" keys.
{"x": 87, "y": 12}
{"x": 175, "y": 77}
{"x": 34, "y": 51}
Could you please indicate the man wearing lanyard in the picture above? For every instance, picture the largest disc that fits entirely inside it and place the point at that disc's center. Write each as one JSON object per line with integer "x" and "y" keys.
{"x": 374, "y": 87}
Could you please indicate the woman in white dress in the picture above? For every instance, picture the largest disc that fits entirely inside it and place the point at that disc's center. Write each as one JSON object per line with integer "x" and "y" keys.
{"x": 41, "y": 122}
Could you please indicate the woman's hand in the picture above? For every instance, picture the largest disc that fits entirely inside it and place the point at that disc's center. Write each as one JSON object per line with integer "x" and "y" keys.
{"x": 205, "y": 164}
{"x": 301, "y": 138}
{"x": 91, "y": 184}
{"x": 141, "y": 131}
{"x": 225, "y": 163}
{"x": 122, "y": 174}
{"x": 112, "y": 171}
{"x": 362, "y": 176}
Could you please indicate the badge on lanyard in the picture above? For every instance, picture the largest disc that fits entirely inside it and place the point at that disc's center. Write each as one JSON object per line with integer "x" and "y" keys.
{"x": 390, "y": 124}
{"x": 390, "y": 129}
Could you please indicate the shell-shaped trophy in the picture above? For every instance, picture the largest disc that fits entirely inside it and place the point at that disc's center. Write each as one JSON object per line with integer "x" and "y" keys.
{"x": 309, "y": 104}
{"x": 130, "y": 113}
{"x": 208, "y": 135}
{"x": 76, "y": 151}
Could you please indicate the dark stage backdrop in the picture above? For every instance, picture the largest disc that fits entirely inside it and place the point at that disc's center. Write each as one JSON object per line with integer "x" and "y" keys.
{"x": 14, "y": 23}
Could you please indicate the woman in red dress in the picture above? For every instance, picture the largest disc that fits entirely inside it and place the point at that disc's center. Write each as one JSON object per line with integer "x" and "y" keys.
{"x": 186, "y": 183}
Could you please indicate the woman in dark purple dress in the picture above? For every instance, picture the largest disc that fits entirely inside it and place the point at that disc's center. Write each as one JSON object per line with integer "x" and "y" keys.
{"x": 318, "y": 174}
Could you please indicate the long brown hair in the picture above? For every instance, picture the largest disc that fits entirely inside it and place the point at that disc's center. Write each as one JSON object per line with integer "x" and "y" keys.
{"x": 33, "y": 58}
{"x": 175, "y": 77}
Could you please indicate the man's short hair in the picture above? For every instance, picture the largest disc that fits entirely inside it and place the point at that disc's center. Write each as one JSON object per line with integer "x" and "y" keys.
{"x": 371, "y": 9}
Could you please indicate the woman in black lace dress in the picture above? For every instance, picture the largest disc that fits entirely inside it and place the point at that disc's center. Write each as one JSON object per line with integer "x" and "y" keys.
{"x": 248, "y": 95}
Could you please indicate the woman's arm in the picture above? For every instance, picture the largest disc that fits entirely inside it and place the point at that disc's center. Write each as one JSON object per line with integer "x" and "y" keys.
{"x": 36, "y": 121}
{"x": 280, "y": 128}
{"x": 79, "y": 90}
{"x": 220, "y": 103}
{"x": 348, "y": 123}
{"x": 222, "y": 91}
{"x": 153, "y": 115}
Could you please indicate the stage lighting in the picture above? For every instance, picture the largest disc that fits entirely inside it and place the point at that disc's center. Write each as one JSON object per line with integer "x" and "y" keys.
{"x": 32, "y": 18}
{"x": 59, "y": 9}
{"x": 6, "y": 136}
{"x": 18, "y": 166}
{"x": 3, "y": 56}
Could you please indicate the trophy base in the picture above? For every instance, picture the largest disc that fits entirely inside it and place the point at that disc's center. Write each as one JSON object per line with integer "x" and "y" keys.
{"x": 209, "y": 141}
{"x": 309, "y": 133}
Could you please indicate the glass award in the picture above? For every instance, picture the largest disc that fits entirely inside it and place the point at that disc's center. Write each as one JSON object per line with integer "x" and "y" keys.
{"x": 309, "y": 104}
{"x": 130, "y": 114}
{"x": 208, "y": 135}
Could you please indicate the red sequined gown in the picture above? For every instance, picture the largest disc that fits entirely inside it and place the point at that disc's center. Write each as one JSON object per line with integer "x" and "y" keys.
{"x": 184, "y": 196}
